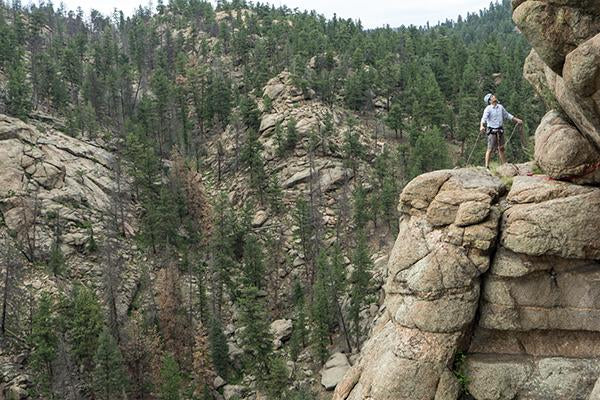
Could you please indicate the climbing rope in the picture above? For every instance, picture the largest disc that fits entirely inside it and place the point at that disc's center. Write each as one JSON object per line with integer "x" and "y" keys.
{"x": 513, "y": 132}
{"x": 474, "y": 147}
{"x": 498, "y": 141}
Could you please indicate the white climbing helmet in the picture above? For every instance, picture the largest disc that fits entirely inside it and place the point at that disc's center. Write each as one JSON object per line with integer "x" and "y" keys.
{"x": 487, "y": 98}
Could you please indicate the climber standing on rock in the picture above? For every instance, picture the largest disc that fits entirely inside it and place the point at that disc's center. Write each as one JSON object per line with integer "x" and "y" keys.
{"x": 493, "y": 118}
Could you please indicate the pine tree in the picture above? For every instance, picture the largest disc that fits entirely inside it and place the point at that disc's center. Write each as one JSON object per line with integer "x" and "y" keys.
{"x": 18, "y": 89}
{"x": 305, "y": 233}
{"x": 109, "y": 375}
{"x": 361, "y": 215}
{"x": 256, "y": 339}
{"x": 218, "y": 348}
{"x": 394, "y": 119}
{"x": 277, "y": 383}
{"x": 337, "y": 286}
{"x": 321, "y": 312}
{"x": 83, "y": 320}
{"x": 429, "y": 153}
{"x": 171, "y": 314}
{"x": 142, "y": 353}
{"x": 354, "y": 151}
{"x": 202, "y": 368}
{"x": 299, "y": 332}
{"x": 360, "y": 280}
{"x": 44, "y": 342}
{"x": 253, "y": 268}
{"x": 170, "y": 379}
{"x": 251, "y": 158}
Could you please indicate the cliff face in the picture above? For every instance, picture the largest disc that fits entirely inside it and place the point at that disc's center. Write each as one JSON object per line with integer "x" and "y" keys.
{"x": 494, "y": 290}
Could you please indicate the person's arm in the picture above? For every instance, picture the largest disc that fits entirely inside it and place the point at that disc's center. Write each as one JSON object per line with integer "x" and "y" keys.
{"x": 511, "y": 117}
{"x": 484, "y": 119}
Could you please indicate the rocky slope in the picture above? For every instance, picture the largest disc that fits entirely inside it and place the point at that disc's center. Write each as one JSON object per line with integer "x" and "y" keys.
{"x": 53, "y": 186}
{"x": 492, "y": 290}
{"x": 49, "y": 180}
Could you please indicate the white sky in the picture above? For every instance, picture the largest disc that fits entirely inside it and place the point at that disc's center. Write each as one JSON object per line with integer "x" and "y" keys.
{"x": 372, "y": 13}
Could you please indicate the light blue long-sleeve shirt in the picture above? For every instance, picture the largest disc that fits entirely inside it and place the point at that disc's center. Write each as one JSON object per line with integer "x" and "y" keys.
{"x": 493, "y": 116}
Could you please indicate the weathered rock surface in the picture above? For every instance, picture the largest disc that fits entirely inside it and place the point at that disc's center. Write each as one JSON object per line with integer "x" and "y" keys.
{"x": 580, "y": 141}
{"x": 46, "y": 176}
{"x": 510, "y": 377}
{"x": 527, "y": 263}
{"x": 555, "y": 28}
{"x": 333, "y": 371}
{"x": 562, "y": 152}
{"x": 448, "y": 226}
{"x": 538, "y": 335}
{"x": 281, "y": 329}
{"x": 534, "y": 255}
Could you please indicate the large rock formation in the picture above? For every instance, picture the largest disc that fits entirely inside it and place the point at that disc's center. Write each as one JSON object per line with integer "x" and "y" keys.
{"x": 496, "y": 294}
{"x": 48, "y": 178}
{"x": 448, "y": 226}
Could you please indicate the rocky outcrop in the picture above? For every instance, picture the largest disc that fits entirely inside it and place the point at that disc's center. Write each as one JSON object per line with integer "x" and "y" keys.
{"x": 564, "y": 68}
{"x": 49, "y": 178}
{"x": 506, "y": 280}
{"x": 334, "y": 370}
{"x": 448, "y": 227}
{"x": 555, "y": 28}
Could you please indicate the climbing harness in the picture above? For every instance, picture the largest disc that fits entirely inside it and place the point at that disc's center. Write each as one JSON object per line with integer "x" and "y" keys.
{"x": 498, "y": 140}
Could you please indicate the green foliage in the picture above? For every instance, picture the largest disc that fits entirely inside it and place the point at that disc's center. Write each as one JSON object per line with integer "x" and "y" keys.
{"x": 459, "y": 371}
{"x": 218, "y": 348}
{"x": 250, "y": 113}
{"x": 429, "y": 153}
{"x": 277, "y": 382}
{"x": 170, "y": 379}
{"x": 286, "y": 143}
{"x": 353, "y": 149}
{"x": 256, "y": 338}
{"x": 394, "y": 119}
{"x": 109, "y": 374}
{"x": 253, "y": 268}
{"x": 56, "y": 262}
{"x": 18, "y": 89}
{"x": 305, "y": 233}
{"x": 299, "y": 331}
{"x": 251, "y": 157}
{"x": 44, "y": 342}
{"x": 302, "y": 394}
{"x": 321, "y": 311}
{"x": 359, "y": 281}
{"x": 82, "y": 318}
{"x": 92, "y": 246}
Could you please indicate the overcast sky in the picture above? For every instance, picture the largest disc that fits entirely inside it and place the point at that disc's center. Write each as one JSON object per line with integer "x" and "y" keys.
{"x": 372, "y": 13}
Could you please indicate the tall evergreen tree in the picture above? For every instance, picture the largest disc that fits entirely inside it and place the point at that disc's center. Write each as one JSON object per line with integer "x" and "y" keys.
{"x": 257, "y": 342}
{"x": 44, "y": 342}
{"x": 109, "y": 374}
{"x": 170, "y": 376}
{"x": 359, "y": 289}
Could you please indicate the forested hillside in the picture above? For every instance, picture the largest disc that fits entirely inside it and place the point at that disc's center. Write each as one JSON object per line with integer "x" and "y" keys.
{"x": 222, "y": 228}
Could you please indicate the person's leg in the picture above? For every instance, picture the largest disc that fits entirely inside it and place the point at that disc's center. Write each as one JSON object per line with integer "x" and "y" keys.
{"x": 502, "y": 155}
{"x": 491, "y": 145}
{"x": 501, "y": 148}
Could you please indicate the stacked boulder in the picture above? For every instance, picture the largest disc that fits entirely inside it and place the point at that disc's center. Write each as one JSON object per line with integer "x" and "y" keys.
{"x": 496, "y": 294}
{"x": 538, "y": 335}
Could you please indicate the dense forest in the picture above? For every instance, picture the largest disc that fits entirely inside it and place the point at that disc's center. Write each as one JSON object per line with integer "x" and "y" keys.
{"x": 160, "y": 89}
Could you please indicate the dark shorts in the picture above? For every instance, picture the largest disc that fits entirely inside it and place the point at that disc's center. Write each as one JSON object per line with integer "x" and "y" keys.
{"x": 495, "y": 139}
